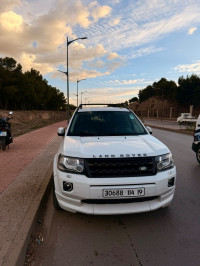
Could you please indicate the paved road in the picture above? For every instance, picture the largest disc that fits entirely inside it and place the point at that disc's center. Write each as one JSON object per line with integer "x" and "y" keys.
{"x": 169, "y": 236}
{"x": 165, "y": 124}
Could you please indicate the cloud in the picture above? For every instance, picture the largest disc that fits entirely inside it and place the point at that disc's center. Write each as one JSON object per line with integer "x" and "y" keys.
{"x": 86, "y": 74}
{"x": 145, "y": 22}
{"x": 98, "y": 11}
{"x": 35, "y": 34}
{"x": 106, "y": 66}
{"x": 112, "y": 56}
{"x": 79, "y": 52}
{"x": 108, "y": 95}
{"x": 114, "y": 21}
{"x": 91, "y": 56}
{"x": 97, "y": 64}
{"x": 130, "y": 82}
{"x": 116, "y": 82}
{"x": 190, "y": 68}
{"x": 49, "y": 32}
{"x": 44, "y": 32}
{"x": 11, "y": 22}
{"x": 8, "y": 5}
{"x": 192, "y": 30}
{"x": 31, "y": 10}
{"x": 135, "y": 53}
{"x": 28, "y": 61}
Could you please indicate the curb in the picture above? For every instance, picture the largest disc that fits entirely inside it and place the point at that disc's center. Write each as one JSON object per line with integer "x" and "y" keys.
{"x": 179, "y": 131}
{"x": 20, "y": 204}
{"x": 17, "y": 251}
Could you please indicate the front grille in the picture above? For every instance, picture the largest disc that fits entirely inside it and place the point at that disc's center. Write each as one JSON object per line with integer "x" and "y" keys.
{"x": 117, "y": 201}
{"x": 120, "y": 167}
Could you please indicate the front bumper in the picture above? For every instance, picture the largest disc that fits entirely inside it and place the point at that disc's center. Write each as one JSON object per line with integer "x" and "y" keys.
{"x": 87, "y": 197}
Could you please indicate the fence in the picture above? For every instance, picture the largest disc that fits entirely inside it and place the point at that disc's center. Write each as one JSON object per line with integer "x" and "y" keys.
{"x": 165, "y": 112}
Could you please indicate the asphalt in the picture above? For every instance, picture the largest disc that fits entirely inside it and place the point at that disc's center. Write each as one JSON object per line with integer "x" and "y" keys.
{"x": 168, "y": 125}
{"x": 25, "y": 179}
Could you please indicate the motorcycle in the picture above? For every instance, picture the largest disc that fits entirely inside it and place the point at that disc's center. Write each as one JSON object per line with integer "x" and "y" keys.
{"x": 196, "y": 142}
{"x": 5, "y": 131}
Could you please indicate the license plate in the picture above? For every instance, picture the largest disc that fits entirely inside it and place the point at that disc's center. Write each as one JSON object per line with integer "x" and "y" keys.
{"x": 125, "y": 192}
{"x": 3, "y": 133}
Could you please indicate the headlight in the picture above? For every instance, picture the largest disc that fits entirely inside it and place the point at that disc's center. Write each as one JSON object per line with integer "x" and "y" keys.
{"x": 69, "y": 164}
{"x": 164, "y": 162}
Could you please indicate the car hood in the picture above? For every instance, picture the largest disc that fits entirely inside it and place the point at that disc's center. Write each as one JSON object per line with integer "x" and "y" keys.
{"x": 105, "y": 147}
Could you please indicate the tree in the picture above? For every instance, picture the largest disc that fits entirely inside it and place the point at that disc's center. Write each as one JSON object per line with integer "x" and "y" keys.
{"x": 146, "y": 93}
{"x": 27, "y": 90}
{"x": 134, "y": 99}
{"x": 188, "y": 92}
{"x": 10, "y": 64}
{"x": 163, "y": 89}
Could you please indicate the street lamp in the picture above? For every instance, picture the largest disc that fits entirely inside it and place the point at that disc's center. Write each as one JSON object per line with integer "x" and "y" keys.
{"x": 77, "y": 88}
{"x": 75, "y": 94}
{"x": 82, "y": 94}
{"x": 67, "y": 73}
{"x": 86, "y": 99}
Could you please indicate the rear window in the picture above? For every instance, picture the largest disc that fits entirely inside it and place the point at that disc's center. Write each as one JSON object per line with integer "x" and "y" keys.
{"x": 105, "y": 123}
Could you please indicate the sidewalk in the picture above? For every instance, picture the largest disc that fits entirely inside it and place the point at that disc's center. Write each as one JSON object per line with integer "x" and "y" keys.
{"x": 26, "y": 170}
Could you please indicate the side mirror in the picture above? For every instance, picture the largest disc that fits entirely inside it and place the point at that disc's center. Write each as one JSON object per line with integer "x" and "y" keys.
{"x": 149, "y": 129}
{"x": 61, "y": 131}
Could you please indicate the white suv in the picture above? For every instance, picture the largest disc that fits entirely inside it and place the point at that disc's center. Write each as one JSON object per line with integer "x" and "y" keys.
{"x": 109, "y": 163}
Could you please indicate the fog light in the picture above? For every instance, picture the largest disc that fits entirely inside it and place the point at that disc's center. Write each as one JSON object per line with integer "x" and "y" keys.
{"x": 171, "y": 182}
{"x": 67, "y": 186}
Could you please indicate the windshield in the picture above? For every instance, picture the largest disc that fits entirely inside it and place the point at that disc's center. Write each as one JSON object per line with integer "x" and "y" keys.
{"x": 105, "y": 123}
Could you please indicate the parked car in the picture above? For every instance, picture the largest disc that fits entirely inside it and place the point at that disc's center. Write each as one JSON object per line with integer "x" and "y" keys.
{"x": 186, "y": 118}
{"x": 109, "y": 163}
{"x": 196, "y": 142}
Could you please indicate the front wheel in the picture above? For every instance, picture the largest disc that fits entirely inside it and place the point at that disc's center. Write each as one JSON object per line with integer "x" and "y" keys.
{"x": 3, "y": 144}
{"x": 198, "y": 154}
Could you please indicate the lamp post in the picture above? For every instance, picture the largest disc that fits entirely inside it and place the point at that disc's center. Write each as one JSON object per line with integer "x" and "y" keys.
{"x": 77, "y": 88}
{"x": 67, "y": 73}
{"x": 68, "y": 43}
{"x": 82, "y": 94}
{"x": 86, "y": 99}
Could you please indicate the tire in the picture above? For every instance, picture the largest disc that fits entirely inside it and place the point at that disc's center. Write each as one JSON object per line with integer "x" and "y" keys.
{"x": 198, "y": 154}
{"x": 55, "y": 201}
{"x": 3, "y": 144}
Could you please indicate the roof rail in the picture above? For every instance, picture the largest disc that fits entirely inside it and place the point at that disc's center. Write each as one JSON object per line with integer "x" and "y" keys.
{"x": 119, "y": 105}
{"x": 108, "y": 105}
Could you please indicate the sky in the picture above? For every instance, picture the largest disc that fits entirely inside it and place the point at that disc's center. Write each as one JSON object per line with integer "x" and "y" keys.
{"x": 130, "y": 43}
